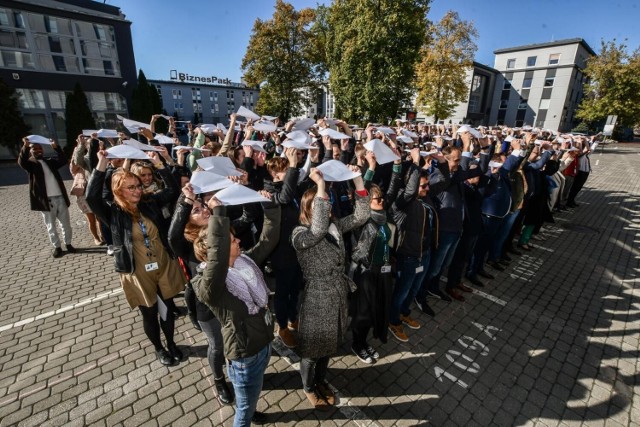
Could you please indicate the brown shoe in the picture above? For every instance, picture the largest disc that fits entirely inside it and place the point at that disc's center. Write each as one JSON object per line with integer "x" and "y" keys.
{"x": 464, "y": 288}
{"x": 293, "y": 326}
{"x": 317, "y": 400}
{"x": 287, "y": 337}
{"x": 455, "y": 294}
{"x": 326, "y": 392}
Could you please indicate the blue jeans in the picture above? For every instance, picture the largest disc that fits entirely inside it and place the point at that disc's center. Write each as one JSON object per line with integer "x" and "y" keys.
{"x": 407, "y": 284}
{"x": 447, "y": 243}
{"x": 247, "y": 375}
{"x": 497, "y": 249}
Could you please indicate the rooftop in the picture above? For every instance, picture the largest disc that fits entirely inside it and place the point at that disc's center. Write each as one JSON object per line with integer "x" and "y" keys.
{"x": 548, "y": 44}
{"x": 83, "y": 7}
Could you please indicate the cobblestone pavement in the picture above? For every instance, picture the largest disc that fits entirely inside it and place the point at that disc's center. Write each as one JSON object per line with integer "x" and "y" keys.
{"x": 554, "y": 340}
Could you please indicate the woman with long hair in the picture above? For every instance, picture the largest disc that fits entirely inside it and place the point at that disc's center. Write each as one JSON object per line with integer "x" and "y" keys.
{"x": 149, "y": 273}
{"x": 322, "y": 318}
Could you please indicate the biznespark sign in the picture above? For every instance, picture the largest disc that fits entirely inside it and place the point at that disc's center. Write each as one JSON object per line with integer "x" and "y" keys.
{"x": 184, "y": 77}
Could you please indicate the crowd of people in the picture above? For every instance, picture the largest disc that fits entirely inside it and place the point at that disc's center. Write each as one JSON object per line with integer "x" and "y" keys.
{"x": 356, "y": 226}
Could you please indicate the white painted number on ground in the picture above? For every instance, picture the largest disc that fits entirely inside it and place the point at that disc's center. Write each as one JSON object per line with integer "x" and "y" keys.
{"x": 457, "y": 358}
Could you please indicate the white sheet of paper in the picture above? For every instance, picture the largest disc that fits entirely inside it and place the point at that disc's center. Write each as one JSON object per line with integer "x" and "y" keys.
{"x": 39, "y": 139}
{"x": 246, "y": 113}
{"x": 188, "y": 148}
{"x": 299, "y": 145}
{"x": 508, "y": 139}
{"x": 256, "y": 145}
{"x": 140, "y": 145}
{"x": 270, "y": 118}
{"x": 89, "y": 132}
{"x": 386, "y": 130}
{"x": 107, "y": 133}
{"x": 219, "y": 165}
{"x": 265, "y": 126}
{"x": 222, "y": 128}
{"x": 163, "y": 310}
{"x": 405, "y": 139}
{"x": 299, "y": 136}
{"x": 472, "y": 131}
{"x": 208, "y": 128}
{"x": 163, "y": 139}
{"x": 304, "y": 124}
{"x": 333, "y": 134}
{"x": 132, "y": 124}
{"x": 335, "y": 170}
{"x": 383, "y": 153}
{"x": 238, "y": 194}
{"x": 409, "y": 133}
{"x": 493, "y": 164}
{"x": 206, "y": 181}
{"x": 126, "y": 152}
{"x": 424, "y": 153}
{"x": 165, "y": 117}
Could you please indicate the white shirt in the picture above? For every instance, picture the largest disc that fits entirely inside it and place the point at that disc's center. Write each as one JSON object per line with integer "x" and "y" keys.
{"x": 53, "y": 189}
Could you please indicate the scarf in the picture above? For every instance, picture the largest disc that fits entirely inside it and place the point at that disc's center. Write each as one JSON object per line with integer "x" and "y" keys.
{"x": 379, "y": 217}
{"x": 245, "y": 282}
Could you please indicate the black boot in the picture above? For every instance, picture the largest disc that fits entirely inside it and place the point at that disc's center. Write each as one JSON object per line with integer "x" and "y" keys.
{"x": 225, "y": 394}
{"x": 175, "y": 352}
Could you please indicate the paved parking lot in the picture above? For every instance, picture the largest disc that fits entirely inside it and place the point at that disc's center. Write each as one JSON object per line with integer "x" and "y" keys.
{"x": 554, "y": 340}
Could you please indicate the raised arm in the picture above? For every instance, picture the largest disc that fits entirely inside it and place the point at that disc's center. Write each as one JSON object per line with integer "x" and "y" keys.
{"x": 94, "y": 191}
{"x": 214, "y": 276}
{"x": 228, "y": 139}
{"x": 270, "y": 233}
{"x": 306, "y": 237}
{"x": 362, "y": 211}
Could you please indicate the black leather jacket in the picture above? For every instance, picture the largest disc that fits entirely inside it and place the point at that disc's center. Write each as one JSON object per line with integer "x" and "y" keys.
{"x": 121, "y": 223}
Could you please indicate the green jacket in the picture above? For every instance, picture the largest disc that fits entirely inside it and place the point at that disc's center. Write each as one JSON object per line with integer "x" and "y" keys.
{"x": 243, "y": 334}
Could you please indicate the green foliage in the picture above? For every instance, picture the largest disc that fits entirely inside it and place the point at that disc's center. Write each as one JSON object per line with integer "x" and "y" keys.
{"x": 12, "y": 126}
{"x": 78, "y": 115}
{"x": 614, "y": 86}
{"x": 445, "y": 60}
{"x": 145, "y": 101}
{"x": 281, "y": 58}
{"x": 582, "y": 127}
{"x": 370, "y": 49}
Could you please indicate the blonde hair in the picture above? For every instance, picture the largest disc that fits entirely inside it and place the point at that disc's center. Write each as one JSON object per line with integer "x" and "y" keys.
{"x": 200, "y": 247}
{"x": 118, "y": 180}
{"x": 137, "y": 168}
{"x": 276, "y": 165}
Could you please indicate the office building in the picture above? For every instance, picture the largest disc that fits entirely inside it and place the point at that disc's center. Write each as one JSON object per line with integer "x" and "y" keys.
{"x": 540, "y": 84}
{"x": 46, "y": 46}
{"x": 212, "y": 99}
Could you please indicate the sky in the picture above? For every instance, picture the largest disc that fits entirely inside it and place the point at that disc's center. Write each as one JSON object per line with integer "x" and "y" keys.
{"x": 209, "y": 37}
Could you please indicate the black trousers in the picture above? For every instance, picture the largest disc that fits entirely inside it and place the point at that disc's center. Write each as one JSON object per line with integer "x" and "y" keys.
{"x": 578, "y": 183}
{"x": 313, "y": 371}
{"x": 152, "y": 323}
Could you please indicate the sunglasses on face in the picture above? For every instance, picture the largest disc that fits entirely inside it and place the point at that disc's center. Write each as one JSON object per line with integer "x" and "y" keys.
{"x": 424, "y": 185}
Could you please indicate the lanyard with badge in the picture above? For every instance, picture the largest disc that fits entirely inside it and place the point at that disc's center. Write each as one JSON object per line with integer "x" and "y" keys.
{"x": 152, "y": 265}
{"x": 386, "y": 266}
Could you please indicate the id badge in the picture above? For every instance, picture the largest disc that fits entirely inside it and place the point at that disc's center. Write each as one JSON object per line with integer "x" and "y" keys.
{"x": 151, "y": 266}
{"x": 419, "y": 269}
{"x": 267, "y": 317}
{"x": 385, "y": 269}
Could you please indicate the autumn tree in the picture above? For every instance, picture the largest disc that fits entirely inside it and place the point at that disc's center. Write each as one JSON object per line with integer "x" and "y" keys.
{"x": 12, "y": 126}
{"x": 370, "y": 51}
{"x": 613, "y": 86}
{"x": 281, "y": 59}
{"x": 445, "y": 58}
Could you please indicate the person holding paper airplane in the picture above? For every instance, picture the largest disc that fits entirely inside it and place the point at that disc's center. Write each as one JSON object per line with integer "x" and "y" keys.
{"x": 47, "y": 193}
{"x": 319, "y": 244}
{"x": 149, "y": 273}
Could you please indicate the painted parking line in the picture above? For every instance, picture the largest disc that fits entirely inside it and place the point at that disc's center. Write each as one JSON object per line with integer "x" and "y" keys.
{"x": 62, "y": 309}
{"x": 490, "y": 297}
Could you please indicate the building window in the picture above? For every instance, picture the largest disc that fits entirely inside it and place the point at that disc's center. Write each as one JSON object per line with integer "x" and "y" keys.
{"x": 108, "y": 68}
{"x": 58, "y": 62}
{"x": 527, "y": 82}
{"x": 554, "y": 58}
{"x": 511, "y": 63}
{"x": 507, "y": 84}
{"x": 504, "y": 103}
{"x": 51, "y": 25}
{"x": 544, "y": 104}
{"x": 16, "y": 60}
{"x": 523, "y": 104}
{"x": 531, "y": 61}
{"x": 30, "y": 98}
{"x": 548, "y": 82}
{"x": 4, "y": 18}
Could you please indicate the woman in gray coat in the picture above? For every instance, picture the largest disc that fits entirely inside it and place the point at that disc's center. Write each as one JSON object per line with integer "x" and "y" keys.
{"x": 322, "y": 317}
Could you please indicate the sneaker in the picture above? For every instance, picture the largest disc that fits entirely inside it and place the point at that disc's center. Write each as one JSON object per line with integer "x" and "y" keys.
{"x": 424, "y": 307}
{"x": 287, "y": 338}
{"x": 398, "y": 332}
{"x": 259, "y": 418}
{"x": 326, "y": 392}
{"x": 110, "y": 250}
{"x": 57, "y": 252}
{"x": 363, "y": 356}
{"x": 293, "y": 326}
{"x": 70, "y": 248}
{"x": 439, "y": 294}
{"x": 317, "y": 400}
{"x": 372, "y": 352}
{"x": 413, "y": 324}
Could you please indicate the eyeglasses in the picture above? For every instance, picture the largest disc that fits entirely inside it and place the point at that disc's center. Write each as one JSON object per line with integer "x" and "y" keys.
{"x": 134, "y": 187}
{"x": 377, "y": 198}
{"x": 199, "y": 210}
{"x": 424, "y": 185}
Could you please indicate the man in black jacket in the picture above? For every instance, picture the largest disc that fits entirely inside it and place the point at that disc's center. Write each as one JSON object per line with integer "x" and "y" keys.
{"x": 47, "y": 193}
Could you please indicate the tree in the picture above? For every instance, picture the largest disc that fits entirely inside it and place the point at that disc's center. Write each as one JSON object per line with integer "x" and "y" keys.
{"x": 78, "y": 115}
{"x": 371, "y": 48}
{"x": 613, "y": 86}
{"x": 446, "y": 58}
{"x": 280, "y": 59}
{"x": 12, "y": 126}
{"x": 145, "y": 101}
